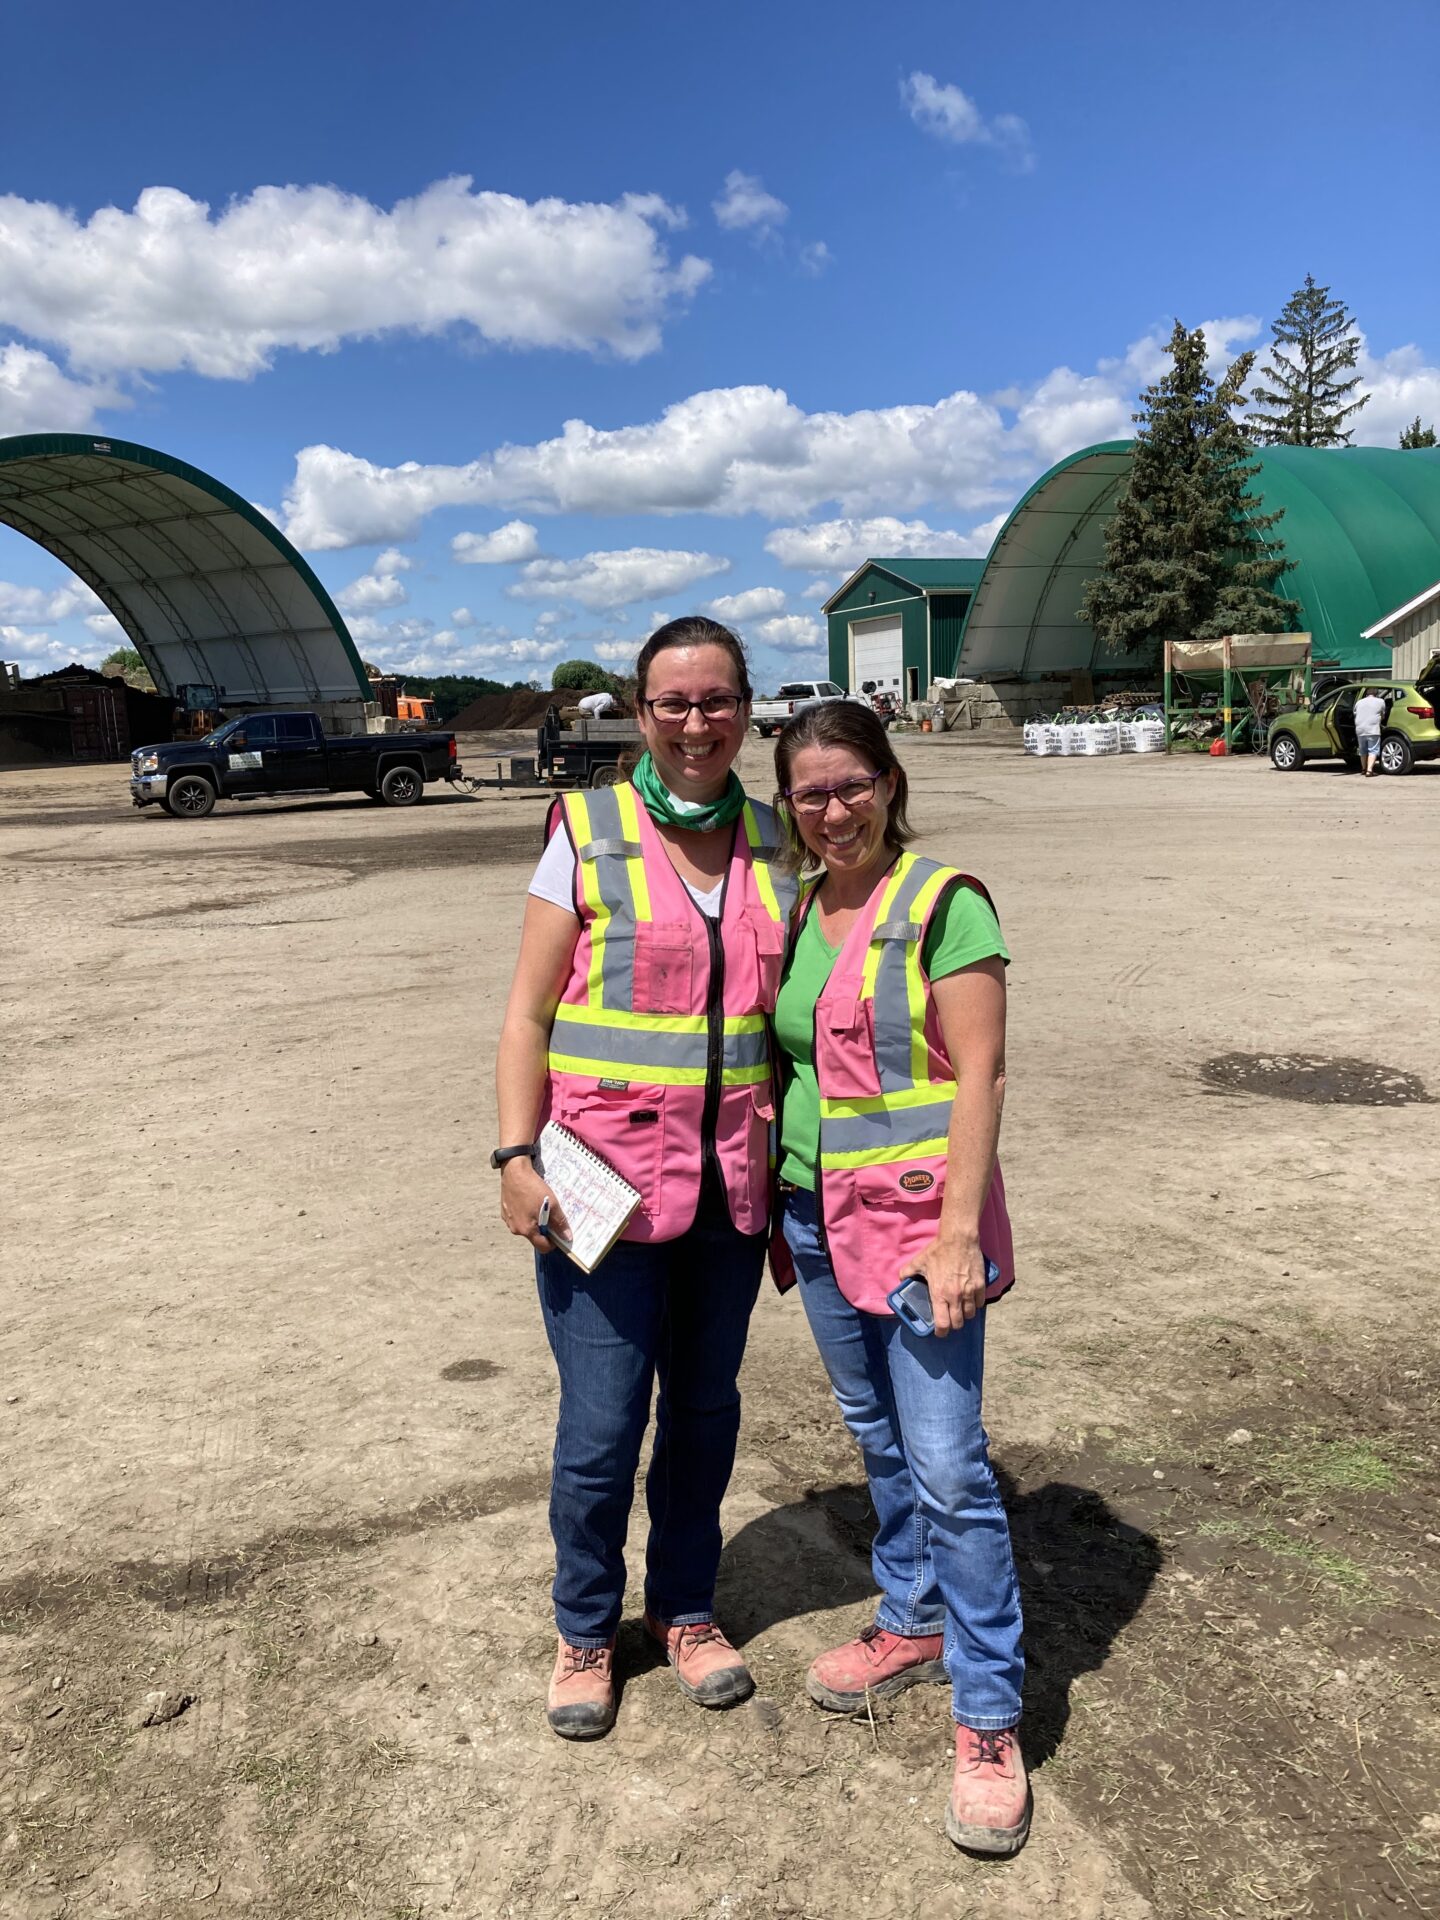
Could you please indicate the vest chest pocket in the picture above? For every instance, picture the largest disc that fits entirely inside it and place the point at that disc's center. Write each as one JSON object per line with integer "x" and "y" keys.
{"x": 769, "y": 957}
{"x": 845, "y": 1049}
{"x": 664, "y": 967}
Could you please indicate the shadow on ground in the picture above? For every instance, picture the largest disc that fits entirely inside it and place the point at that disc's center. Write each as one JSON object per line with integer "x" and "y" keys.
{"x": 1084, "y": 1576}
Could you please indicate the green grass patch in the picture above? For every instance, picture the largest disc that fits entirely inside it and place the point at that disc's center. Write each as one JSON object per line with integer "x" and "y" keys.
{"x": 1308, "y": 1464}
{"x": 1337, "y": 1570}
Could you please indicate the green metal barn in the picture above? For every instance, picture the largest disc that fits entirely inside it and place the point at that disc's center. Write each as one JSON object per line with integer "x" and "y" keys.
{"x": 898, "y": 623}
{"x": 1361, "y": 523}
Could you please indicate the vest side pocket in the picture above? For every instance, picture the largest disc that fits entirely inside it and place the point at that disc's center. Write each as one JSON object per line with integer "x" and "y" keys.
{"x": 742, "y": 1140}
{"x": 626, "y": 1128}
{"x": 845, "y": 1049}
{"x": 664, "y": 967}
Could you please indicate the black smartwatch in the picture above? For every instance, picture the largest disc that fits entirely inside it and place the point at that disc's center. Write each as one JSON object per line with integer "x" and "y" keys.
{"x": 502, "y": 1154}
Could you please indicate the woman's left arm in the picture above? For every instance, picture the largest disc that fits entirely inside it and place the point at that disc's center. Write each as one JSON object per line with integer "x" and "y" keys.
{"x": 971, "y": 1010}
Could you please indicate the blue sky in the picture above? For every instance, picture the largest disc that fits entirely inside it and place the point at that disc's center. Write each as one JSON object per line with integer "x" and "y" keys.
{"x": 812, "y": 281}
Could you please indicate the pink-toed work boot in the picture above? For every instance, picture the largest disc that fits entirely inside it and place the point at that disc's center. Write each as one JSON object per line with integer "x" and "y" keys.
{"x": 709, "y": 1670}
{"x": 581, "y": 1705}
{"x": 989, "y": 1810}
{"x": 878, "y": 1663}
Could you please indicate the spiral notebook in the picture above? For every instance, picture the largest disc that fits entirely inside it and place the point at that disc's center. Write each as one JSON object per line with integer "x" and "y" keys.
{"x": 596, "y": 1202}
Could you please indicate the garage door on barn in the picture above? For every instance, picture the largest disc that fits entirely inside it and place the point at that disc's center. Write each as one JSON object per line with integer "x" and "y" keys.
{"x": 879, "y": 654}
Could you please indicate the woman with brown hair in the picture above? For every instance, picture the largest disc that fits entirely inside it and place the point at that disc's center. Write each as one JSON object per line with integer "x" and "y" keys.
{"x": 648, "y": 963}
{"x": 891, "y": 1031}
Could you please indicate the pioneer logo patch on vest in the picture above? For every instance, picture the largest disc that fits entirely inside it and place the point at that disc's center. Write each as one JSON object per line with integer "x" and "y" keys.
{"x": 917, "y": 1180}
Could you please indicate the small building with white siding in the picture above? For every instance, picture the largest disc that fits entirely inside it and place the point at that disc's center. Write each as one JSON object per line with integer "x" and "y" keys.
{"x": 1412, "y": 633}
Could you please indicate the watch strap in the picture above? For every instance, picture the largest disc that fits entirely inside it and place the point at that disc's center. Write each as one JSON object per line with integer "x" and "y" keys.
{"x": 502, "y": 1154}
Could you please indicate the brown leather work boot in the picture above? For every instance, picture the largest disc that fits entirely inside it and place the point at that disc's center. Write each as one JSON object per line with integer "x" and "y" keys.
{"x": 879, "y": 1663}
{"x": 581, "y": 1705}
{"x": 989, "y": 1810}
{"x": 709, "y": 1670}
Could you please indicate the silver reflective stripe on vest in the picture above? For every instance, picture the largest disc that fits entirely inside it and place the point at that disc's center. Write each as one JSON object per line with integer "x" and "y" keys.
{"x": 618, "y": 849}
{"x": 667, "y": 1041}
{"x": 898, "y": 930}
{"x": 872, "y": 1132}
{"x": 892, "y": 996}
{"x": 605, "y": 853}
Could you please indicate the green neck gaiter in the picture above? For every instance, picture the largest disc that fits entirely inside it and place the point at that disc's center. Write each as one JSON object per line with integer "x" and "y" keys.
{"x": 694, "y": 816}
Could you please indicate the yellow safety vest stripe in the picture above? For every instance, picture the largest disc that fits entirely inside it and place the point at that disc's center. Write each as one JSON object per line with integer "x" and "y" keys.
{"x": 764, "y": 885}
{"x": 880, "y": 1156}
{"x": 696, "y": 1023}
{"x": 656, "y": 1076}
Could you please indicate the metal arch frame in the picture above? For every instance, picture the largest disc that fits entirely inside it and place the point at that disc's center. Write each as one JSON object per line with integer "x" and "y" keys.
{"x": 127, "y": 456}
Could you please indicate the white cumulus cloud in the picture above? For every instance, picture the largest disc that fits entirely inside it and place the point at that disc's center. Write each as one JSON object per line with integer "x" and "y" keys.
{"x": 616, "y": 579}
{"x": 748, "y": 605}
{"x": 516, "y": 540}
{"x": 39, "y": 606}
{"x": 741, "y": 450}
{"x": 949, "y": 113}
{"x": 379, "y": 586}
{"x": 792, "y": 633}
{"x": 830, "y": 546}
{"x": 36, "y": 397}
{"x": 744, "y": 203}
{"x": 170, "y": 285}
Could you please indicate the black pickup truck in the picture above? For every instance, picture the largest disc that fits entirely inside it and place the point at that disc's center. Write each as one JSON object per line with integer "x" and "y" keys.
{"x": 268, "y": 753}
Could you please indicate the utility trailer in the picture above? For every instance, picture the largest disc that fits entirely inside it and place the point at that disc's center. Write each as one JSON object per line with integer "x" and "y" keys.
{"x": 584, "y": 754}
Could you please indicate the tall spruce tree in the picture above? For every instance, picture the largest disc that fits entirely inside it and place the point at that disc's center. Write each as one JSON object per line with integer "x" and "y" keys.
{"x": 1188, "y": 551}
{"x": 1308, "y": 403}
{"x": 1417, "y": 436}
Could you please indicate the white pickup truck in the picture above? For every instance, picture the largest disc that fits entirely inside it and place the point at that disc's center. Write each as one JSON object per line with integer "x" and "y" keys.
{"x": 768, "y": 716}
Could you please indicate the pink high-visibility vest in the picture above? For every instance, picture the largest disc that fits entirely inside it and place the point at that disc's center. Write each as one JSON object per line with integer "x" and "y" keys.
{"x": 886, "y": 1089}
{"x": 660, "y": 1053}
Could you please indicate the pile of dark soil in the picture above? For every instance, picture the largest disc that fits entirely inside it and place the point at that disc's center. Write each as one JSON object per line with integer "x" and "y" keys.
{"x": 520, "y": 707}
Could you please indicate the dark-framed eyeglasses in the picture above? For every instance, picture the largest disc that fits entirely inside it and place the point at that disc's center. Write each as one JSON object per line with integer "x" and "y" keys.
{"x": 852, "y": 794}
{"x": 673, "y": 709}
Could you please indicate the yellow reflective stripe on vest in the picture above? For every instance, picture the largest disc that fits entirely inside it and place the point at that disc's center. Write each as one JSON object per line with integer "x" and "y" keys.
{"x": 626, "y": 799}
{"x": 697, "y": 1023}
{"x": 928, "y": 1095}
{"x": 765, "y": 886}
{"x": 934, "y": 1149}
{"x": 887, "y": 899}
{"x": 878, "y": 1128}
{"x": 666, "y": 1049}
{"x": 915, "y": 985}
{"x": 577, "y": 813}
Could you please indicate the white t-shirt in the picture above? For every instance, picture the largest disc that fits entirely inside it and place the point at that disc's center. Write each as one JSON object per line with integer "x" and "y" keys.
{"x": 1370, "y": 715}
{"x": 554, "y": 879}
{"x": 597, "y": 704}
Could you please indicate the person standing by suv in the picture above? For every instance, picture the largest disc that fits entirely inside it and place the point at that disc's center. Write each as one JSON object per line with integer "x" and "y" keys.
{"x": 1369, "y": 725}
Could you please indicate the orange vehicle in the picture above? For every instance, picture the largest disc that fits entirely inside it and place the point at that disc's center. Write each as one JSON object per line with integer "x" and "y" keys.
{"x": 412, "y": 710}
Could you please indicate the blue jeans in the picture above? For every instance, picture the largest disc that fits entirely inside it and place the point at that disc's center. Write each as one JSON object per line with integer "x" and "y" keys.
{"x": 677, "y": 1311}
{"x": 942, "y": 1556}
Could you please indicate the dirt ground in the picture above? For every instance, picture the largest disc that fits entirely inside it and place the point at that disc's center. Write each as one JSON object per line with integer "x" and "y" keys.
{"x": 276, "y": 1408}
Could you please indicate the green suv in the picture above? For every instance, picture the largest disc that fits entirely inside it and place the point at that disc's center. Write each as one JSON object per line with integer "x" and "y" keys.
{"x": 1325, "y": 730}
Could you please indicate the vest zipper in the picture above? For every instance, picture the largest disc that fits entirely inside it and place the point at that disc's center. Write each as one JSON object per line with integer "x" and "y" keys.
{"x": 819, "y": 1176}
{"x": 715, "y": 1054}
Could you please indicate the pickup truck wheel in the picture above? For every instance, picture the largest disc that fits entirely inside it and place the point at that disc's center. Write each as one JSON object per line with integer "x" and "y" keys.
{"x": 401, "y": 787}
{"x": 191, "y": 797}
{"x": 610, "y": 776}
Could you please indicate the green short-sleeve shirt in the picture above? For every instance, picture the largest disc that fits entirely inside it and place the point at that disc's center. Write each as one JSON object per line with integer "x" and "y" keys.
{"x": 962, "y": 930}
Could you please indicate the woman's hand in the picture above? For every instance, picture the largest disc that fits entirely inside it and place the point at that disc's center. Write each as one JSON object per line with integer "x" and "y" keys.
{"x": 954, "y": 1271}
{"x": 521, "y": 1193}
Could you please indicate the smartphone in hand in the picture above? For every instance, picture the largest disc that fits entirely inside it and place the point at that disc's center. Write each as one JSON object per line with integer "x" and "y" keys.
{"x": 910, "y": 1301}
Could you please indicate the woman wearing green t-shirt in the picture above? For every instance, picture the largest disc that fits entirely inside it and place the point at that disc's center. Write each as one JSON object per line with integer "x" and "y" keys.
{"x": 891, "y": 1033}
